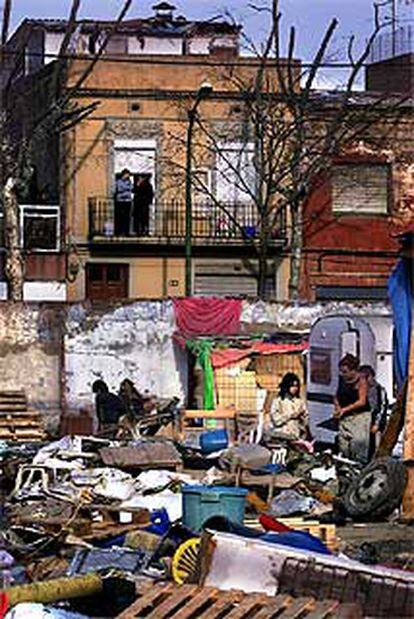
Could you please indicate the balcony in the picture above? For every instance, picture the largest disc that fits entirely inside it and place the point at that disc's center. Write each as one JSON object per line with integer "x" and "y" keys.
{"x": 229, "y": 224}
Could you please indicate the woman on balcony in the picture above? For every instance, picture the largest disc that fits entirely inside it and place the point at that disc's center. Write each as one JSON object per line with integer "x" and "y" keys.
{"x": 123, "y": 203}
{"x": 143, "y": 197}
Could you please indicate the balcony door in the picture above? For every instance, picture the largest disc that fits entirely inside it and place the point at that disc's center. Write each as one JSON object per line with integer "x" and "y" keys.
{"x": 236, "y": 185}
{"x": 138, "y": 156}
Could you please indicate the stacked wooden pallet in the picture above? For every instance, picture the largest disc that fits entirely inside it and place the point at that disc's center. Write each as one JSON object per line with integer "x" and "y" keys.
{"x": 17, "y": 422}
{"x": 191, "y": 602}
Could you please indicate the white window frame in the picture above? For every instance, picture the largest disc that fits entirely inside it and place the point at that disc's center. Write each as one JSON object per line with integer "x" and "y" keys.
{"x": 38, "y": 211}
{"x": 197, "y": 195}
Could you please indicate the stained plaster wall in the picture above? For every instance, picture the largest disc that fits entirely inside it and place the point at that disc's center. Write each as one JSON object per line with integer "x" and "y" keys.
{"x": 30, "y": 355}
{"x": 134, "y": 341}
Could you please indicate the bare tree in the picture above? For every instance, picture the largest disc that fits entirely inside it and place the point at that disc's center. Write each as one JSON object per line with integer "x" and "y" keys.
{"x": 288, "y": 135}
{"x": 58, "y": 116}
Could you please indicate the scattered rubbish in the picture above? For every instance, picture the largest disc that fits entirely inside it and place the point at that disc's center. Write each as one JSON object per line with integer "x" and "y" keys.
{"x": 82, "y": 511}
{"x": 39, "y": 611}
{"x": 290, "y": 502}
{"x": 96, "y": 560}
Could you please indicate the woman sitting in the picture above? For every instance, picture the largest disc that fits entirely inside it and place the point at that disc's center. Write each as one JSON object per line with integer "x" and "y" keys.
{"x": 288, "y": 412}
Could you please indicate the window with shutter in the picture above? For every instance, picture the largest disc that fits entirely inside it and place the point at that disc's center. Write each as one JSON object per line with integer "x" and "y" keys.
{"x": 360, "y": 189}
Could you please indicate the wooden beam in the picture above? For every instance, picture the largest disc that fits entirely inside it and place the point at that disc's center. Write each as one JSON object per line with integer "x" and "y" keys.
{"x": 408, "y": 500}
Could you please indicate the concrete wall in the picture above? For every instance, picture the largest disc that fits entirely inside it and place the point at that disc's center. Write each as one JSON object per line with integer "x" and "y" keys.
{"x": 55, "y": 353}
{"x": 30, "y": 354}
{"x": 132, "y": 341}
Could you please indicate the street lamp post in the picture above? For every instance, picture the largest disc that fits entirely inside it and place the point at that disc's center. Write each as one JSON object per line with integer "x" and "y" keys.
{"x": 204, "y": 91}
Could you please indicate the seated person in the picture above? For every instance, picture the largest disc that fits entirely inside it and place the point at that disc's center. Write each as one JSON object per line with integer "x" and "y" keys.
{"x": 109, "y": 407}
{"x": 288, "y": 412}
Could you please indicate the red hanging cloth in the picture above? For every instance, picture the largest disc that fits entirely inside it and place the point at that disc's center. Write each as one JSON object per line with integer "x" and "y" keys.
{"x": 198, "y": 316}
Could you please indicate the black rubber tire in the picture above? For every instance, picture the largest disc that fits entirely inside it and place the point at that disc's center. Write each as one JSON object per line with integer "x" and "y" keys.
{"x": 377, "y": 491}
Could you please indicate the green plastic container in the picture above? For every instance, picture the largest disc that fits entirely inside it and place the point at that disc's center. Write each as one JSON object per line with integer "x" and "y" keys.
{"x": 202, "y": 502}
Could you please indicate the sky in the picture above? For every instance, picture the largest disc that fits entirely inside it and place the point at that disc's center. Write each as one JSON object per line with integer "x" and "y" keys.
{"x": 310, "y": 17}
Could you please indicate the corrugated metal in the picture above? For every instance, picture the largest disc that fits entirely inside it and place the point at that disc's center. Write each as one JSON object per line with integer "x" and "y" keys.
{"x": 221, "y": 285}
{"x": 358, "y": 188}
{"x": 218, "y": 277}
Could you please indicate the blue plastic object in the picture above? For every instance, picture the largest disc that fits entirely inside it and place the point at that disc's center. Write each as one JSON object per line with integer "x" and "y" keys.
{"x": 203, "y": 502}
{"x": 214, "y": 440}
{"x": 297, "y": 539}
{"x": 160, "y": 522}
{"x": 249, "y": 231}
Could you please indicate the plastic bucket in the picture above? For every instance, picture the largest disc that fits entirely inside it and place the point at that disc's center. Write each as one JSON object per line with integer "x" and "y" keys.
{"x": 213, "y": 440}
{"x": 202, "y": 502}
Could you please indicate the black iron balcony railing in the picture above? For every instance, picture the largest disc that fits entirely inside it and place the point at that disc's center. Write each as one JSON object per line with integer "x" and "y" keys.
{"x": 210, "y": 222}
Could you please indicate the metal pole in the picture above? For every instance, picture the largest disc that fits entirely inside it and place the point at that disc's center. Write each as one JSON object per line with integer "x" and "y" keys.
{"x": 188, "y": 201}
{"x": 205, "y": 91}
{"x": 394, "y": 28}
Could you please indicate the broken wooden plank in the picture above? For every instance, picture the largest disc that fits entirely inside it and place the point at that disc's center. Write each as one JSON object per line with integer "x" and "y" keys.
{"x": 147, "y": 600}
{"x": 297, "y": 608}
{"x": 177, "y": 597}
{"x": 273, "y": 606}
{"x": 323, "y": 610}
{"x": 225, "y": 601}
{"x": 247, "y": 605}
{"x": 198, "y": 601}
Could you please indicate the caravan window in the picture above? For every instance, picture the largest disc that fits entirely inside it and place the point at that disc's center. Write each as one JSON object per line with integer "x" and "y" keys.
{"x": 320, "y": 366}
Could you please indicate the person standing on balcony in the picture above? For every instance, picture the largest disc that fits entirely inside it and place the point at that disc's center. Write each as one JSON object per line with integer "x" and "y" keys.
{"x": 143, "y": 198}
{"x": 123, "y": 203}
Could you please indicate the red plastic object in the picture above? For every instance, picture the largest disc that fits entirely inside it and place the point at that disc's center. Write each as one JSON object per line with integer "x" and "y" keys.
{"x": 4, "y": 605}
{"x": 269, "y": 523}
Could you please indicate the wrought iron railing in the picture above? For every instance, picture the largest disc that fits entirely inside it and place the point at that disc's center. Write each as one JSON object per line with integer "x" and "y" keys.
{"x": 224, "y": 222}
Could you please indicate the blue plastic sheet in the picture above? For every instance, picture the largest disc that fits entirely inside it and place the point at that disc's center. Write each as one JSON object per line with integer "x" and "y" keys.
{"x": 400, "y": 294}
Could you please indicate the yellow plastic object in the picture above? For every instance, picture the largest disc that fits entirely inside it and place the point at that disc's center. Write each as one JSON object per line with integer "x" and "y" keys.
{"x": 185, "y": 560}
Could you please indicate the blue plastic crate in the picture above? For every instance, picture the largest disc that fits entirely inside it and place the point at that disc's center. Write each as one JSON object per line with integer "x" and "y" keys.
{"x": 202, "y": 502}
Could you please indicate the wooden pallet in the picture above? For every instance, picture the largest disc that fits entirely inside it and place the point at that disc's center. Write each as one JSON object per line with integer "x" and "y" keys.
{"x": 162, "y": 601}
{"x": 17, "y": 423}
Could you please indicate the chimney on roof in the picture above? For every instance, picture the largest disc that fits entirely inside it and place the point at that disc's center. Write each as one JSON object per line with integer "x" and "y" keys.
{"x": 164, "y": 11}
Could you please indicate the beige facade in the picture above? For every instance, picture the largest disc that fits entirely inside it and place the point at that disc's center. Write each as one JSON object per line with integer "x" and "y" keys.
{"x": 143, "y": 108}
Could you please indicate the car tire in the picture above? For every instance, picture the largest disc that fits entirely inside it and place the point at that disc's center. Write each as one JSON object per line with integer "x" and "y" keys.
{"x": 377, "y": 491}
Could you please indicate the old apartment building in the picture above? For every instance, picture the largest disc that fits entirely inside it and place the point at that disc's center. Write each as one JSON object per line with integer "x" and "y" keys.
{"x": 354, "y": 217}
{"x": 145, "y": 95}
{"x": 154, "y": 74}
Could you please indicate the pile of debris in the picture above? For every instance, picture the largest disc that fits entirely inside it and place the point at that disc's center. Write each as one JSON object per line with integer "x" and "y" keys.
{"x": 145, "y": 528}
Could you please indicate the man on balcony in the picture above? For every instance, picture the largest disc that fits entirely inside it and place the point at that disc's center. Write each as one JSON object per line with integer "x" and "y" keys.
{"x": 143, "y": 197}
{"x": 123, "y": 203}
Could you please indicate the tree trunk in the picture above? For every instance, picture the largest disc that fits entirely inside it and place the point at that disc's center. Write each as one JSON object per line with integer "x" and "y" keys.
{"x": 296, "y": 253}
{"x": 14, "y": 270}
{"x": 262, "y": 275}
{"x": 262, "y": 292}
